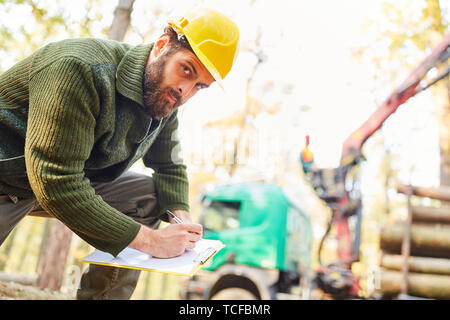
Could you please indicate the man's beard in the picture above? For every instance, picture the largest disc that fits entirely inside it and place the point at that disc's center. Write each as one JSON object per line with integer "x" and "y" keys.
{"x": 155, "y": 102}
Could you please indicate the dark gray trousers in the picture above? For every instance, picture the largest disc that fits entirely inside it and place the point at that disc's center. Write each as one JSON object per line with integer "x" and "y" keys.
{"x": 132, "y": 194}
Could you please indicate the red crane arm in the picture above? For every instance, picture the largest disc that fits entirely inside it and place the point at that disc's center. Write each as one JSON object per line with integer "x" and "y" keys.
{"x": 406, "y": 90}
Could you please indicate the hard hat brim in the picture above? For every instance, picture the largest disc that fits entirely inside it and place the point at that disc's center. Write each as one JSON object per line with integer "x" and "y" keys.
{"x": 205, "y": 61}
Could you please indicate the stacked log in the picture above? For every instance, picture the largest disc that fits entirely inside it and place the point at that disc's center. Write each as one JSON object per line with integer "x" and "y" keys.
{"x": 427, "y": 261}
{"x": 419, "y": 284}
{"x": 426, "y": 240}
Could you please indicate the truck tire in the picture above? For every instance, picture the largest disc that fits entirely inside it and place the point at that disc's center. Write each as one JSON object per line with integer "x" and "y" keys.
{"x": 234, "y": 294}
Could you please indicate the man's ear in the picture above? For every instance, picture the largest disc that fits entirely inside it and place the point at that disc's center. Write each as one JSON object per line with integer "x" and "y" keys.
{"x": 160, "y": 45}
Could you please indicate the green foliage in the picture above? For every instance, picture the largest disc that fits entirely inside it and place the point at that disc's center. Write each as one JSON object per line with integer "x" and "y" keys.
{"x": 26, "y": 25}
{"x": 403, "y": 35}
{"x": 421, "y": 29}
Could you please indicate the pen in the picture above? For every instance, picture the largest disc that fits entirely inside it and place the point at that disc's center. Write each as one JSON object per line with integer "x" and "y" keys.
{"x": 174, "y": 217}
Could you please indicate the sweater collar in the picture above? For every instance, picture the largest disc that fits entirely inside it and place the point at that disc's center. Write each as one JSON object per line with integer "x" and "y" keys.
{"x": 130, "y": 72}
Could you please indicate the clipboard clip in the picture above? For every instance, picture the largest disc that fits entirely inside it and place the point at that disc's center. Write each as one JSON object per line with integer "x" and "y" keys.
{"x": 202, "y": 257}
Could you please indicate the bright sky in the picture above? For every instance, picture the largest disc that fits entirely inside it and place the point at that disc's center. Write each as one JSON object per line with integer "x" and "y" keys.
{"x": 307, "y": 44}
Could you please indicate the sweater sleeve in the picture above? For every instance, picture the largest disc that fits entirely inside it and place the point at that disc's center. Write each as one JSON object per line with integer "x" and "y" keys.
{"x": 60, "y": 136}
{"x": 170, "y": 175}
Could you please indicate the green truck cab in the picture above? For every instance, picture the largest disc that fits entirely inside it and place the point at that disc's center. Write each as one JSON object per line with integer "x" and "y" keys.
{"x": 268, "y": 243}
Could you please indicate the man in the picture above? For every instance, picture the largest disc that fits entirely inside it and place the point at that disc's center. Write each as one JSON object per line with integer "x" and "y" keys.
{"x": 75, "y": 116}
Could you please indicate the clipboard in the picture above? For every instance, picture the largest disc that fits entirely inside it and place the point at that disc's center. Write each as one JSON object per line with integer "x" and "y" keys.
{"x": 186, "y": 264}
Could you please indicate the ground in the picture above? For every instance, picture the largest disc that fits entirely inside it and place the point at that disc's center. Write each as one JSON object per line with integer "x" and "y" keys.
{"x": 16, "y": 291}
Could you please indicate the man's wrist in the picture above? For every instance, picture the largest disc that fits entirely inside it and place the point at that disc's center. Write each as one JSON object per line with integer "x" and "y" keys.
{"x": 144, "y": 238}
{"x": 184, "y": 215}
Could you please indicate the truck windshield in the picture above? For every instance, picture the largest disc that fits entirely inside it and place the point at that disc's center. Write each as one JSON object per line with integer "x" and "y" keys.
{"x": 218, "y": 215}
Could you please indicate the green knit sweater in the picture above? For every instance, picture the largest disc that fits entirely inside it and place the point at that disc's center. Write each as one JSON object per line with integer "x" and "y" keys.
{"x": 72, "y": 113}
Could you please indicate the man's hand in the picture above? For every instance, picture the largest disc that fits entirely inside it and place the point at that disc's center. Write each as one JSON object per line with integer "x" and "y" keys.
{"x": 170, "y": 241}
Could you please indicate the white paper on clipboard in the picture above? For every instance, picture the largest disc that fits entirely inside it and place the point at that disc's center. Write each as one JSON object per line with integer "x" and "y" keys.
{"x": 186, "y": 264}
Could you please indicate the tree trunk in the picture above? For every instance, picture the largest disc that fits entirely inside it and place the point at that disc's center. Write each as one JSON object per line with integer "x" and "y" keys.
{"x": 427, "y": 241}
{"x": 441, "y": 193}
{"x": 121, "y": 21}
{"x": 417, "y": 264}
{"x": 420, "y": 285}
{"x": 25, "y": 279}
{"x": 7, "y": 248}
{"x": 431, "y": 215}
{"x": 246, "y": 111}
{"x": 441, "y": 96}
{"x": 54, "y": 258}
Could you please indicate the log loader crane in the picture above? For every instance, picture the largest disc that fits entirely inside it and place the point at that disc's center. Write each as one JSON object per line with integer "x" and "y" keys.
{"x": 339, "y": 187}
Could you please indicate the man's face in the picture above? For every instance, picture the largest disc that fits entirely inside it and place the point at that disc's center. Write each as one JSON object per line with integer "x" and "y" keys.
{"x": 170, "y": 79}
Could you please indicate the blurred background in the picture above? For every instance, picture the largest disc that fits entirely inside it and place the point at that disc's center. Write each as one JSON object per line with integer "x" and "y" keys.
{"x": 316, "y": 68}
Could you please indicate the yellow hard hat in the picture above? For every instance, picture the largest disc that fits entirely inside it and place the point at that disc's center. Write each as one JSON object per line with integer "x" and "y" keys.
{"x": 213, "y": 37}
